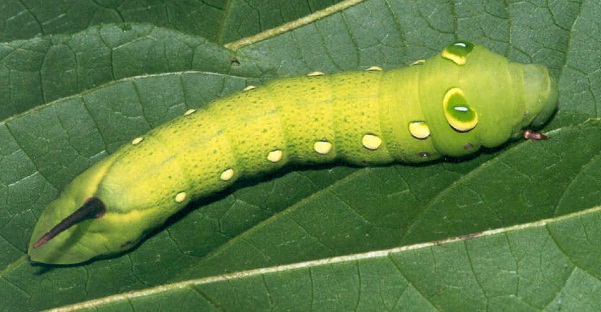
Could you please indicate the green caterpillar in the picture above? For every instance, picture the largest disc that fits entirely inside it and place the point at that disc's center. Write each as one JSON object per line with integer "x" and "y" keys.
{"x": 451, "y": 104}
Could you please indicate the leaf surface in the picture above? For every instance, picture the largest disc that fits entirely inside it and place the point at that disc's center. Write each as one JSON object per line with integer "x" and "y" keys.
{"x": 515, "y": 228}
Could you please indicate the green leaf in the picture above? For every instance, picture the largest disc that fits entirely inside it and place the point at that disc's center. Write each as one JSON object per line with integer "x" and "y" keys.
{"x": 515, "y": 228}
{"x": 219, "y": 21}
{"x": 79, "y": 52}
{"x": 536, "y": 267}
{"x": 49, "y": 68}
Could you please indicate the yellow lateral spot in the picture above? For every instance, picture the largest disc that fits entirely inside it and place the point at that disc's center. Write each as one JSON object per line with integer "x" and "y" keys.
{"x": 374, "y": 68}
{"x": 371, "y": 141}
{"x": 315, "y": 73}
{"x": 180, "y": 197}
{"x": 227, "y": 175}
{"x": 189, "y": 112}
{"x": 419, "y": 129}
{"x": 457, "y": 52}
{"x": 137, "y": 140}
{"x": 418, "y": 62}
{"x": 322, "y": 147}
{"x": 275, "y": 156}
{"x": 249, "y": 88}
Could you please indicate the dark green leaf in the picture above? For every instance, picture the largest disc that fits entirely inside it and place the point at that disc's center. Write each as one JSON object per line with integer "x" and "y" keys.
{"x": 525, "y": 213}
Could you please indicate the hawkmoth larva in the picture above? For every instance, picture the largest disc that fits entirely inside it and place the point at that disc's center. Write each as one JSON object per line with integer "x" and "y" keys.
{"x": 451, "y": 104}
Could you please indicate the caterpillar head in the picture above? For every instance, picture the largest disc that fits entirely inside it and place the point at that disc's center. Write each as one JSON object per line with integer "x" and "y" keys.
{"x": 541, "y": 95}
{"x": 479, "y": 98}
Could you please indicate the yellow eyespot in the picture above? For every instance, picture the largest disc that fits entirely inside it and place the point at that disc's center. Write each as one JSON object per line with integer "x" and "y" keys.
{"x": 457, "y": 52}
{"x": 458, "y": 112}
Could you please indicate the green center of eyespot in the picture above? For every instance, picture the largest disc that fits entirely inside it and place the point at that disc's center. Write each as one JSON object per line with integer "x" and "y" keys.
{"x": 457, "y": 111}
{"x": 457, "y": 52}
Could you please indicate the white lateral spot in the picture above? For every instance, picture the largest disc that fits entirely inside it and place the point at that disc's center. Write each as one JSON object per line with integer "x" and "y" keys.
{"x": 180, "y": 197}
{"x": 374, "y": 68}
{"x": 275, "y": 156}
{"x": 419, "y": 129}
{"x": 227, "y": 175}
{"x": 137, "y": 140}
{"x": 315, "y": 73}
{"x": 418, "y": 62}
{"x": 322, "y": 147}
{"x": 249, "y": 88}
{"x": 189, "y": 112}
{"x": 371, "y": 141}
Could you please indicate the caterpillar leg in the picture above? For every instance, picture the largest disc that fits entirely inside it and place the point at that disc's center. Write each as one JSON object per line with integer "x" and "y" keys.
{"x": 533, "y": 135}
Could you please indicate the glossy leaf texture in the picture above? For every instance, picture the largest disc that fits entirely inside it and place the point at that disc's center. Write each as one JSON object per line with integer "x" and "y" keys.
{"x": 514, "y": 228}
